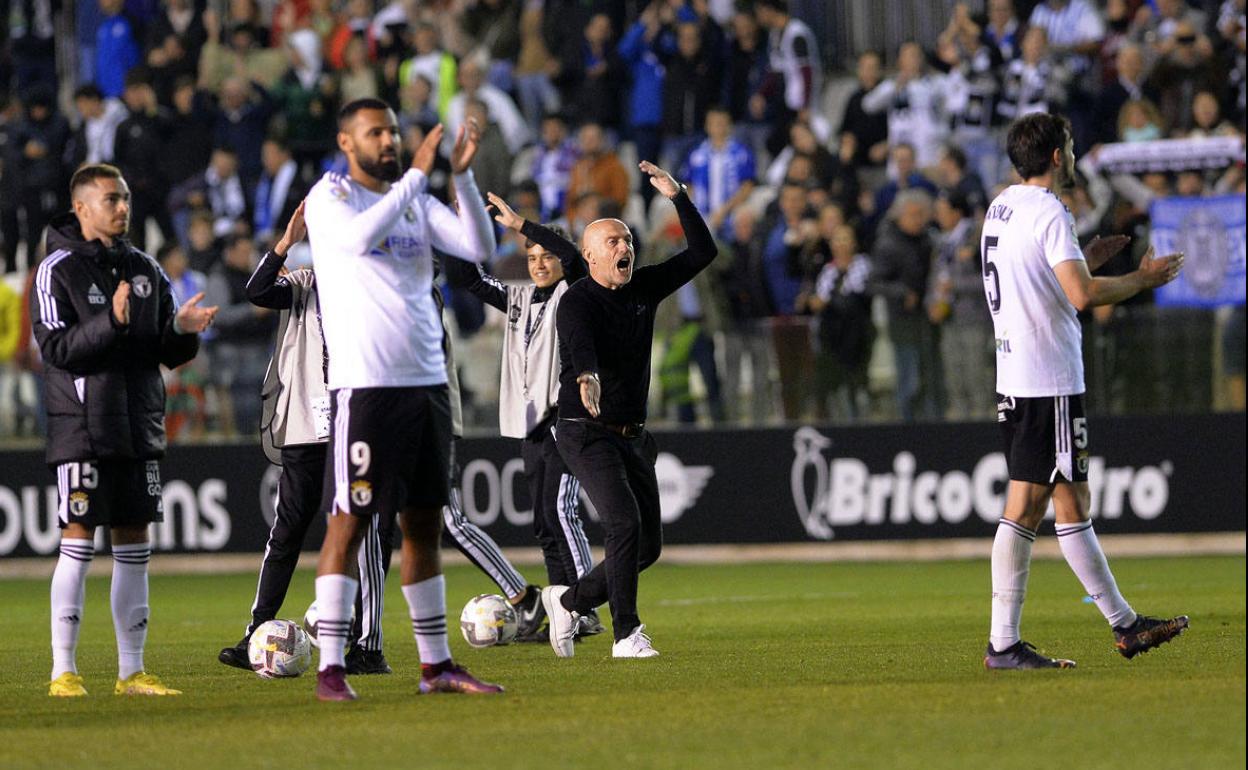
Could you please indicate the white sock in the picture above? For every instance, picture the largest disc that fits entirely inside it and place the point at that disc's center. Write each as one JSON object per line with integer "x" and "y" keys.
{"x": 1011, "y": 562}
{"x": 69, "y": 581}
{"x": 130, "y": 610}
{"x": 335, "y": 597}
{"x": 1084, "y": 555}
{"x": 426, "y": 605}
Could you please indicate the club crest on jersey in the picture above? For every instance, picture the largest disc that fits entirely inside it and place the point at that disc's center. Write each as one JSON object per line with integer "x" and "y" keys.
{"x": 339, "y": 192}
{"x": 79, "y": 503}
{"x": 361, "y": 493}
{"x": 142, "y": 286}
{"x": 95, "y": 296}
{"x": 409, "y": 215}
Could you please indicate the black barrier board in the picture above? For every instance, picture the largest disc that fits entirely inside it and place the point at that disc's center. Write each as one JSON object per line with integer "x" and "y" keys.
{"x": 775, "y": 485}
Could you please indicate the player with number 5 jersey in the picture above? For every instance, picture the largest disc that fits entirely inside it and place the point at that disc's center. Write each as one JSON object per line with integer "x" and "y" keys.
{"x": 372, "y": 232}
{"x": 1036, "y": 280}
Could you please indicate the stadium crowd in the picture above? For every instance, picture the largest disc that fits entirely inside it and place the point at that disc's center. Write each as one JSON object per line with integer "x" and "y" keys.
{"x": 847, "y": 206}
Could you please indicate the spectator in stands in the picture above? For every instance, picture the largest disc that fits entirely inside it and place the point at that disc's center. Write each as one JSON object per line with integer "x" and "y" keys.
{"x": 416, "y": 104}
{"x": 242, "y": 122}
{"x": 1001, "y": 32}
{"x": 971, "y": 87}
{"x": 720, "y": 171}
{"x": 1156, "y": 25}
{"x": 502, "y": 109}
{"x": 901, "y": 263}
{"x": 1034, "y": 82}
{"x": 243, "y": 58}
{"x": 534, "y": 63}
{"x": 359, "y": 78}
{"x": 190, "y": 130}
{"x": 821, "y": 171}
{"x": 598, "y": 169}
{"x": 178, "y": 17}
{"x": 689, "y": 87}
{"x": 10, "y": 180}
{"x": 745, "y": 70}
{"x": 168, "y": 64}
{"x": 1139, "y": 121}
{"x": 795, "y": 77}
{"x": 903, "y": 175}
{"x": 786, "y": 230}
{"x": 306, "y": 99}
{"x": 914, "y": 102}
{"x": 203, "y": 250}
{"x": 492, "y": 164}
{"x": 960, "y": 182}
{"x": 745, "y": 337}
{"x": 1207, "y": 118}
{"x": 845, "y": 333}
{"x": 591, "y": 76}
{"x": 116, "y": 48}
{"x": 1232, "y": 43}
{"x": 244, "y": 332}
{"x": 39, "y": 141}
{"x": 1185, "y": 70}
{"x": 32, "y": 44}
{"x": 643, "y": 117}
{"x": 218, "y": 189}
{"x": 1073, "y": 29}
{"x": 98, "y": 119}
{"x": 494, "y": 26}
{"x": 280, "y": 190}
{"x": 552, "y": 164}
{"x": 438, "y": 67}
{"x": 955, "y": 303}
{"x": 1127, "y": 86}
{"x": 864, "y": 135}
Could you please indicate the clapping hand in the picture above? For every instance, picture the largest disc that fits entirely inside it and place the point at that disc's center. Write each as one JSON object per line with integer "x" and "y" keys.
{"x": 506, "y": 216}
{"x": 427, "y": 152}
{"x": 193, "y": 319}
{"x": 466, "y": 142}
{"x": 1101, "y": 250}
{"x": 296, "y": 230}
{"x": 1159, "y": 271}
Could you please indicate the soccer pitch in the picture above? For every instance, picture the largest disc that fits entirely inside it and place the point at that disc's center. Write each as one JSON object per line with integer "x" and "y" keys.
{"x": 771, "y": 665}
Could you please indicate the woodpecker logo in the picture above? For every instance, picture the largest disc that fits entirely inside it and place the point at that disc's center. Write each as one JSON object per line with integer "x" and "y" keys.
{"x": 142, "y": 286}
{"x": 79, "y": 502}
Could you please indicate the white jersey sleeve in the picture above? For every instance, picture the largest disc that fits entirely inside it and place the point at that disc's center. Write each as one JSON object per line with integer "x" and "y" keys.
{"x": 332, "y": 219}
{"x": 468, "y": 235}
{"x": 1039, "y": 343}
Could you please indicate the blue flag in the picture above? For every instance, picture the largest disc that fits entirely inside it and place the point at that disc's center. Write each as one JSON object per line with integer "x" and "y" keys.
{"x": 1210, "y": 231}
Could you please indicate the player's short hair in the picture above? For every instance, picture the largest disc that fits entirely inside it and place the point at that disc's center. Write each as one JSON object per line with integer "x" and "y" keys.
{"x": 349, "y": 109}
{"x": 556, "y": 229}
{"x": 90, "y": 173}
{"x": 1032, "y": 140}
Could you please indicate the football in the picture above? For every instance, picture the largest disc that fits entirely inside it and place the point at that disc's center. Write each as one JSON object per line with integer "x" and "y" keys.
{"x": 279, "y": 648}
{"x": 488, "y": 620}
{"x": 311, "y": 618}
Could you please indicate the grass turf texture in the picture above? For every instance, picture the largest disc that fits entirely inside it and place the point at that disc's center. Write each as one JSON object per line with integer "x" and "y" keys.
{"x": 795, "y": 665}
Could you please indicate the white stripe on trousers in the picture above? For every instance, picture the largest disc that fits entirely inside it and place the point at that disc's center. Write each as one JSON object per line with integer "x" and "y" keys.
{"x": 570, "y": 522}
{"x": 372, "y": 586}
{"x": 482, "y": 548}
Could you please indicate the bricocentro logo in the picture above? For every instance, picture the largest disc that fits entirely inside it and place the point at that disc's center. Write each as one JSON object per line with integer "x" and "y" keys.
{"x": 832, "y": 491}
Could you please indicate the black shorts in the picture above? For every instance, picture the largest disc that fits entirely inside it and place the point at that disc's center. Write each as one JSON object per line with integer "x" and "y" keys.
{"x": 389, "y": 449}
{"x": 1046, "y": 439}
{"x": 102, "y": 493}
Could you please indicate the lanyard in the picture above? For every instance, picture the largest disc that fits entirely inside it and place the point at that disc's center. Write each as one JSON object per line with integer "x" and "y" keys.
{"x": 530, "y": 325}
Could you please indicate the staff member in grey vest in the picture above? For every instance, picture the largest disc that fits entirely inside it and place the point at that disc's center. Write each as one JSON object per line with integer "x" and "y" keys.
{"x": 529, "y": 392}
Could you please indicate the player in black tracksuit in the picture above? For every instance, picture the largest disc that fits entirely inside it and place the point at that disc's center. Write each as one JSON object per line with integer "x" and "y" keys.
{"x": 105, "y": 319}
{"x": 606, "y": 330}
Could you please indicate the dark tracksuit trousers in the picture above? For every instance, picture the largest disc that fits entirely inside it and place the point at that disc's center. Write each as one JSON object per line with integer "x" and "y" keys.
{"x": 554, "y": 493}
{"x": 618, "y": 473}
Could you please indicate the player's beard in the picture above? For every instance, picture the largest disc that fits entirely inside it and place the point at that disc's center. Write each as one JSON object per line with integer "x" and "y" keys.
{"x": 387, "y": 169}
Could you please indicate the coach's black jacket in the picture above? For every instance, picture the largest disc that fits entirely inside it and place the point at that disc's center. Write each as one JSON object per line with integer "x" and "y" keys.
{"x": 102, "y": 384}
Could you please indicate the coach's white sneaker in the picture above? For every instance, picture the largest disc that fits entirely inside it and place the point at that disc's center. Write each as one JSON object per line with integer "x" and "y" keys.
{"x": 635, "y": 645}
{"x": 562, "y": 622}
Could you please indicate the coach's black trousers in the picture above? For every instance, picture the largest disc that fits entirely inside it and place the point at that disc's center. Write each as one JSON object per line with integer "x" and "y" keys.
{"x": 618, "y": 474}
{"x": 298, "y": 504}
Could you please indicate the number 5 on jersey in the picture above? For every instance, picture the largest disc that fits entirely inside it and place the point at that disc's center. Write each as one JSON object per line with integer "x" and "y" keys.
{"x": 992, "y": 280}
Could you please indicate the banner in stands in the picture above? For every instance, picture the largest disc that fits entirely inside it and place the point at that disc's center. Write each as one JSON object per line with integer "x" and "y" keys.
{"x": 1211, "y": 233}
{"x": 1148, "y": 475}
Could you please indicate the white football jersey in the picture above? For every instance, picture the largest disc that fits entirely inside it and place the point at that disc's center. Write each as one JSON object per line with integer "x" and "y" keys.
{"x": 373, "y": 256}
{"x": 1027, "y": 232}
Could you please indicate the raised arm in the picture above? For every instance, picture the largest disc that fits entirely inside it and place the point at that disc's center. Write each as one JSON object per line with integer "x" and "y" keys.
{"x": 264, "y": 288}
{"x": 461, "y": 274}
{"x": 658, "y": 281}
{"x": 470, "y": 235}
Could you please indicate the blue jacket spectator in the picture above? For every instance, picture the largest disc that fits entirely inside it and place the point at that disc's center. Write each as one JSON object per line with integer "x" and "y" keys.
{"x": 645, "y": 92}
{"x": 116, "y": 49}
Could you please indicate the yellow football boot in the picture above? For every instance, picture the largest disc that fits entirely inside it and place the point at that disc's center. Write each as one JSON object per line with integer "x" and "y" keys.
{"x": 67, "y": 685}
{"x": 143, "y": 683}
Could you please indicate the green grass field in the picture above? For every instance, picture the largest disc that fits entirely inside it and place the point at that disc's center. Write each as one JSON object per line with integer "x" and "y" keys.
{"x": 782, "y": 665}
